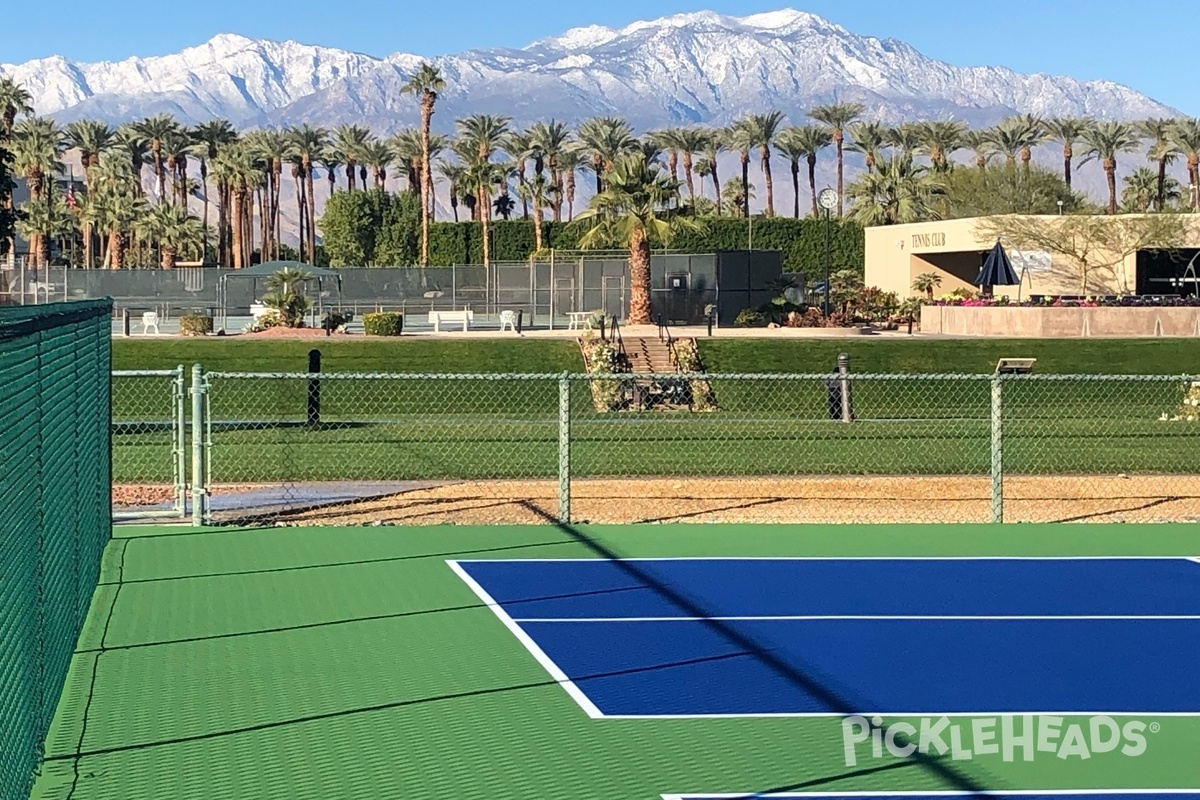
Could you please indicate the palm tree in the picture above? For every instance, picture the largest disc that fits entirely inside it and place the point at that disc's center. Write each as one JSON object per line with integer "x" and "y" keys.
{"x": 176, "y": 147}
{"x": 114, "y": 207}
{"x": 837, "y": 116}
{"x": 904, "y": 139}
{"x": 570, "y": 161}
{"x": 1142, "y": 194}
{"x": 37, "y": 144}
{"x": 271, "y": 149}
{"x": 1067, "y": 131}
{"x": 237, "y": 168}
{"x": 740, "y": 137}
{"x": 1158, "y": 131}
{"x": 378, "y": 156}
{"x": 428, "y": 82}
{"x": 804, "y": 142}
{"x": 484, "y": 134}
{"x": 136, "y": 149}
{"x": 1017, "y": 136}
{"x": 155, "y": 130}
{"x": 175, "y": 231}
{"x": 349, "y": 141}
{"x": 536, "y": 191}
{"x": 897, "y": 192}
{"x": 520, "y": 147}
{"x": 982, "y": 144}
{"x": 482, "y": 175}
{"x": 630, "y": 211}
{"x": 667, "y": 141}
{"x": 454, "y": 175}
{"x": 714, "y": 145}
{"x": 14, "y": 101}
{"x": 1104, "y": 142}
{"x": 606, "y": 139}
{"x": 764, "y": 130}
{"x": 553, "y": 139}
{"x": 940, "y": 139}
{"x": 331, "y": 162}
{"x": 209, "y": 138}
{"x": 307, "y": 144}
{"x": 869, "y": 139}
{"x": 925, "y": 283}
{"x": 691, "y": 141}
{"x": 90, "y": 139}
{"x": 1185, "y": 139}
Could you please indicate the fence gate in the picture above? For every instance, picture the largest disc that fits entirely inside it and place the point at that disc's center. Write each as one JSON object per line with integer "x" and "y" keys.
{"x": 149, "y": 444}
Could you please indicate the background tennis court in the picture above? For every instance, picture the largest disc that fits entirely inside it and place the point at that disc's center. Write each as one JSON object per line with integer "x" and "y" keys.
{"x": 354, "y": 662}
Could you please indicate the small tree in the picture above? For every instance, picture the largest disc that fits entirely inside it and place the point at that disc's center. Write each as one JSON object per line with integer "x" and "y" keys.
{"x": 926, "y": 282}
{"x": 1086, "y": 243}
{"x": 287, "y": 296}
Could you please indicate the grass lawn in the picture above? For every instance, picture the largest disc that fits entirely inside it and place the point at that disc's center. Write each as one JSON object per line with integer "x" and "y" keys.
{"x": 463, "y": 429}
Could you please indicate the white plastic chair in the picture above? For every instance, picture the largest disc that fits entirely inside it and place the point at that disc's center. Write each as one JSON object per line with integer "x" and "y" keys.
{"x": 508, "y": 319}
{"x": 149, "y": 320}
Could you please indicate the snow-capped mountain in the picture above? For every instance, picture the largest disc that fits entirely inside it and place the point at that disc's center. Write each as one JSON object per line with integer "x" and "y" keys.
{"x": 689, "y": 68}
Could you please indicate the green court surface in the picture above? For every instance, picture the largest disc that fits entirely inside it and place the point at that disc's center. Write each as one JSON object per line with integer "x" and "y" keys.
{"x": 355, "y": 663}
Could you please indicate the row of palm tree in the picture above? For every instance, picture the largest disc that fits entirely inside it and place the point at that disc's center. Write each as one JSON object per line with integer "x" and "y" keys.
{"x": 488, "y": 161}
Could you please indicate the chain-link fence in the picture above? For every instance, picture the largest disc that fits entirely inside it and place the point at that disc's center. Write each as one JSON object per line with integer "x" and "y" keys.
{"x": 54, "y": 478}
{"x": 149, "y": 444}
{"x": 509, "y": 448}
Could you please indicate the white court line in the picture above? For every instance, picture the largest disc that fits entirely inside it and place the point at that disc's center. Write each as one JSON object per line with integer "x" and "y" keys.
{"x": 539, "y": 655}
{"x": 825, "y": 558}
{"x": 939, "y": 793}
{"x": 884, "y": 617}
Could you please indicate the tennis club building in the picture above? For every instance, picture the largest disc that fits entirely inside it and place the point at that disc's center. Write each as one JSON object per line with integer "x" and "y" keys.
{"x": 954, "y": 250}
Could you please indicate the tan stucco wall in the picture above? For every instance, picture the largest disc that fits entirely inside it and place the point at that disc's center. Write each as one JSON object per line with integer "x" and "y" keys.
{"x": 897, "y": 254}
{"x": 1033, "y": 322}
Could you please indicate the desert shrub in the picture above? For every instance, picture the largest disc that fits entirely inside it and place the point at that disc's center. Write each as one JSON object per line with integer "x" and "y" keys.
{"x": 195, "y": 325}
{"x": 384, "y": 323}
{"x": 336, "y": 320}
{"x": 749, "y": 318}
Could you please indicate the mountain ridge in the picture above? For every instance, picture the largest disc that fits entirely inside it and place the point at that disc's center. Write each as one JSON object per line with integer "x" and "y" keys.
{"x": 696, "y": 68}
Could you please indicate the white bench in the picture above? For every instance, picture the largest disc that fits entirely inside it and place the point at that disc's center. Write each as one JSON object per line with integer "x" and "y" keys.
{"x": 436, "y": 318}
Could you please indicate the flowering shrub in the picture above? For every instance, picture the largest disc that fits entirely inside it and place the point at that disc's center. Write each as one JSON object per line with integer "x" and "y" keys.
{"x": 1189, "y": 409}
{"x": 687, "y": 359}
{"x": 1128, "y": 301}
{"x": 601, "y": 358}
{"x": 271, "y": 318}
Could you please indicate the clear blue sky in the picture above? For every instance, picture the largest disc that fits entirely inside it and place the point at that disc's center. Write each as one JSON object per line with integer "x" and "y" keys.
{"x": 1147, "y": 44}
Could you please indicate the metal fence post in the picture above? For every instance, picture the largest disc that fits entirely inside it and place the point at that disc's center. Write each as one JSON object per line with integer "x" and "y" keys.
{"x": 843, "y": 366}
{"x": 997, "y": 449}
{"x": 199, "y": 491}
{"x": 564, "y": 449}
{"x": 180, "y": 451}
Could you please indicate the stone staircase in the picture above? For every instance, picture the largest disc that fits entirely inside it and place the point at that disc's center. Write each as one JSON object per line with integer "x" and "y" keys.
{"x": 649, "y": 356}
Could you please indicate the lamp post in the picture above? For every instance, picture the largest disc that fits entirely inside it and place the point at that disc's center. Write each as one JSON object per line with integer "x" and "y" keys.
{"x": 828, "y": 200}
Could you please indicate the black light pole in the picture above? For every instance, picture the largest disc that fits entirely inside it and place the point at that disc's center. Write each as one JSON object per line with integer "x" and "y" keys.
{"x": 828, "y": 200}
{"x": 827, "y": 258}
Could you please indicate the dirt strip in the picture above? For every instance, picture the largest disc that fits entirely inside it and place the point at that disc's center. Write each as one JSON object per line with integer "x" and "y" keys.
{"x": 795, "y": 500}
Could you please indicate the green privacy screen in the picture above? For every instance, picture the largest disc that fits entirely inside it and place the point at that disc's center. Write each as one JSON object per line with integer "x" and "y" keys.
{"x": 54, "y": 510}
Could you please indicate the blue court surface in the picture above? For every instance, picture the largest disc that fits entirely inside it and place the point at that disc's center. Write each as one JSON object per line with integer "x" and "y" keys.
{"x": 894, "y": 636}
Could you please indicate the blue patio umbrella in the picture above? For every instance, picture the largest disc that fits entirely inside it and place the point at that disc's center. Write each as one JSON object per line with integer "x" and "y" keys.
{"x": 997, "y": 269}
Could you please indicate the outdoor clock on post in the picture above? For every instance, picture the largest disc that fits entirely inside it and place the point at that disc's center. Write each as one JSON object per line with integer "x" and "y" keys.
{"x": 828, "y": 199}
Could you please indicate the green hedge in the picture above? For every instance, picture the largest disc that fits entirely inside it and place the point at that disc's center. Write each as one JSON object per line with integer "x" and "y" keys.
{"x": 801, "y": 241}
{"x": 385, "y": 323}
{"x": 375, "y": 228}
{"x": 195, "y": 325}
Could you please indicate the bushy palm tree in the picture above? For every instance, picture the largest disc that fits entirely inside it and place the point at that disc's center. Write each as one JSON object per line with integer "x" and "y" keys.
{"x": 307, "y": 142}
{"x": 804, "y": 142}
{"x": 1067, "y": 131}
{"x": 763, "y": 130}
{"x": 15, "y": 101}
{"x": 238, "y": 168}
{"x": 1142, "y": 191}
{"x": 377, "y": 156}
{"x": 90, "y": 139}
{"x": 606, "y": 139}
{"x": 940, "y": 139}
{"x": 837, "y": 117}
{"x": 897, "y": 192}
{"x": 37, "y": 146}
{"x": 174, "y": 229}
{"x": 714, "y": 144}
{"x": 1185, "y": 139}
{"x": 428, "y": 83}
{"x": 453, "y": 174}
{"x": 520, "y": 147}
{"x": 904, "y": 139}
{"x": 537, "y": 192}
{"x": 1158, "y": 131}
{"x": 982, "y": 145}
{"x": 632, "y": 211}
{"x": 925, "y": 283}
{"x": 156, "y": 130}
{"x": 740, "y": 137}
{"x": 554, "y": 140}
{"x": 869, "y": 139}
{"x": 1105, "y": 141}
{"x": 349, "y": 141}
{"x": 208, "y": 138}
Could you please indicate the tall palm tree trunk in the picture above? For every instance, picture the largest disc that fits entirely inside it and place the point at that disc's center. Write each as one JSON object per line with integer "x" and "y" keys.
{"x": 264, "y": 221}
{"x": 556, "y": 201}
{"x": 765, "y": 159}
{"x": 716, "y": 180}
{"x": 485, "y": 215}
{"x": 1068, "y": 155}
{"x": 812, "y": 182}
{"x": 236, "y": 223}
{"x": 1110, "y": 170}
{"x": 687, "y": 172}
{"x": 1161, "y": 199}
{"x": 839, "y": 139}
{"x": 746, "y": 184}
{"x": 796, "y": 187}
{"x": 639, "y": 278}
{"x": 204, "y": 185}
